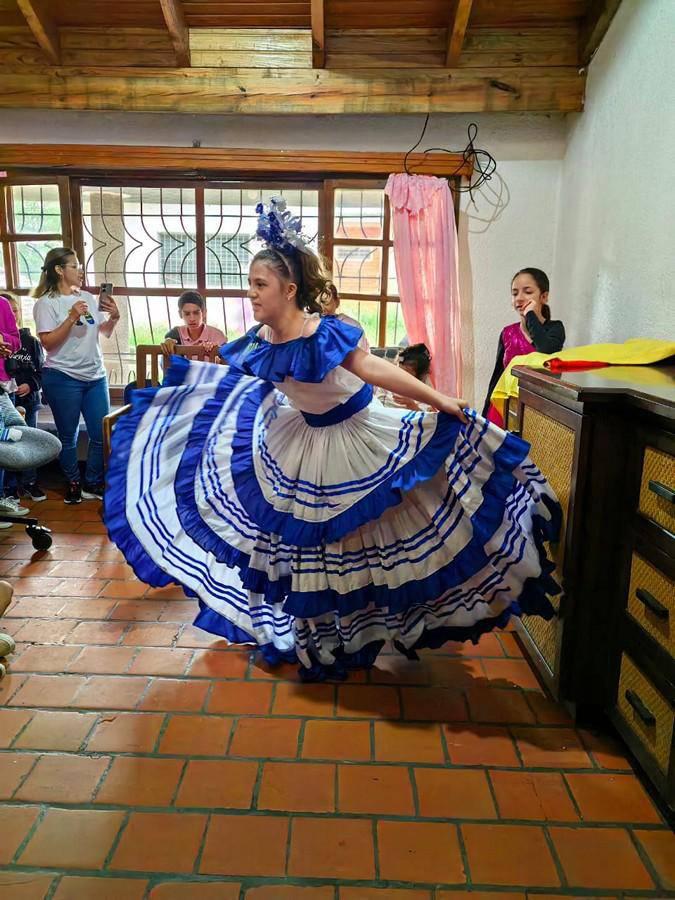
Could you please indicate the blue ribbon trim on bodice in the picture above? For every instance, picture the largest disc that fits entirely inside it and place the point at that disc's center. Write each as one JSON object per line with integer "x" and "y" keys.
{"x": 344, "y": 411}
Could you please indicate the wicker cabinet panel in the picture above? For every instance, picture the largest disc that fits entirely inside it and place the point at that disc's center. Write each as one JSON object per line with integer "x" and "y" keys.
{"x": 657, "y": 488}
{"x": 646, "y": 712}
{"x": 651, "y": 602}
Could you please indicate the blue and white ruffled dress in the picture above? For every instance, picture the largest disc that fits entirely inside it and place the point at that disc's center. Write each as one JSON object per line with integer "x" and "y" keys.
{"x": 310, "y": 520}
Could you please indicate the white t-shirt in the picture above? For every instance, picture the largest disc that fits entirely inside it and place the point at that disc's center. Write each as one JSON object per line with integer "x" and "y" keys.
{"x": 80, "y": 354}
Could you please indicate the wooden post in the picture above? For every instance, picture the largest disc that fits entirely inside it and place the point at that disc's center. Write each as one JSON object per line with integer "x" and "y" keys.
{"x": 318, "y": 35}
{"x": 41, "y": 24}
{"x": 457, "y": 30}
{"x": 178, "y": 30}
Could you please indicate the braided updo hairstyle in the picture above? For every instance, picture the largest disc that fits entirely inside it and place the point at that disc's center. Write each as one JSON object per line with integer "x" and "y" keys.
{"x": 305, "y": 270}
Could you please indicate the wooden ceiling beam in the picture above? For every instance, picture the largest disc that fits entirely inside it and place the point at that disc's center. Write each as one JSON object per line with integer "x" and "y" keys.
{"x": 457, "y": 31}
{"x": 318, "y": 34}
{"x": 178, "y": 30}
{"x": 296, "y": 91}
{"x": 95, "y": 157}
{"x": 43, "y": 27}
{"x": 594, "y": 27}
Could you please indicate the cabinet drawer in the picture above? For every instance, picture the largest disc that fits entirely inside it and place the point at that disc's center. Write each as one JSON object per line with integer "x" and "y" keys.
{"x": 651, "y": 602}
{"x": 646, "y": 712}
{"x": 657, "y": 488}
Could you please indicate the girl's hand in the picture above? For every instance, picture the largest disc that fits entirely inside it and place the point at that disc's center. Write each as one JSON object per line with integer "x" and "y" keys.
{"x": 399, "y": 400}
{"x": 534, "y": 307}
{"x": 209, "y": 346}
{"x": 453, "y": 406}
{"x": 23, "y": 390}
{"x": 167, "y": 346}
{"x": 77, "y": 310}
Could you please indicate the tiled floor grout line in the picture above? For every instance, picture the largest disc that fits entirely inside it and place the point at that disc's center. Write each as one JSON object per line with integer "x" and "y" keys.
{"x": 332, "y": 814}
{"x": 102, "y": 779}
{"x": 202, "y": 843}
{"x": 422, "y": 764}
{"x": 289, "y": 843}
{"x": 179, "y": 784}
{"x": 250, "y": 881}
{"x": 415, "y": 792}
{"x": 53, "y": 887}
{"x": 644, "y": 856}
{"x": 557, "y": 862}
{"x": 493, "y": 794}
{"x": 570, "y": 794}
{"x": 464, "y": 854}
{"x": 31, "y": 831}
{"x": 116, "y": 840}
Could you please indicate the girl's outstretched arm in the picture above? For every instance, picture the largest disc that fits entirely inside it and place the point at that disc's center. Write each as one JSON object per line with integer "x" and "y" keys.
{"x": 378, "y": 372}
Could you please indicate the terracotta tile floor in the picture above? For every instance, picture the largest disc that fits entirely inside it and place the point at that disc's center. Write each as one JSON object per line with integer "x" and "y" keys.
{"x": 141, "y": 758}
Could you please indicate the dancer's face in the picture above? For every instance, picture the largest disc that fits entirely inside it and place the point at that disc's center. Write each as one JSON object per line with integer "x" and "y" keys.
{"x": 270, "y": 295}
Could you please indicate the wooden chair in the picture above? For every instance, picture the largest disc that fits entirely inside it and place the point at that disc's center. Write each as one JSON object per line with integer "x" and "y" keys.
{"x": 148, "y": 358}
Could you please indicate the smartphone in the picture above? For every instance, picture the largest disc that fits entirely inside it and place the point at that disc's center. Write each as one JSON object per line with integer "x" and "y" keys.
{"x": 106, "y": 288}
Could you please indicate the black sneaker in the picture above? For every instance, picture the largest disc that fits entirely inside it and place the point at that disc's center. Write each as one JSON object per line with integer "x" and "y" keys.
{"x": 73, "y": 493}
{"x": 34, "y": 491}
{"x": 92, "y": 491}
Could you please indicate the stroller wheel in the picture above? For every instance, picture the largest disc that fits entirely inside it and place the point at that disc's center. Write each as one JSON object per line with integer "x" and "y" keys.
{"x": 40, "y": 536}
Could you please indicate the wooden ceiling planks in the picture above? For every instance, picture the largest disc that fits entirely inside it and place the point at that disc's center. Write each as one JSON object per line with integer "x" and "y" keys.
{"x": 296, "y": 91}
{"x": 457, "y": 31}
{"x": 248, "y": 14}
{"x": 42, "y": 26}
{"x": 172, "y": 11}
{"x": 218, "y": 160}
{"x": 318, "y": 56}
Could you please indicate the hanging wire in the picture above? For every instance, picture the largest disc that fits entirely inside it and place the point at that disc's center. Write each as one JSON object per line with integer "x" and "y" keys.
{"x": 483, "y": 163}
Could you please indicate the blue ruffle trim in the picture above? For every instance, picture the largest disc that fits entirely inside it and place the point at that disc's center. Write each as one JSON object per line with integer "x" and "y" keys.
{"x": 532, "y": 601}
{"x": 115, "y": 494}
{"x": 485, "y": 521}
{"x": 299, "y": 533}
{"x": 307, "y": 359}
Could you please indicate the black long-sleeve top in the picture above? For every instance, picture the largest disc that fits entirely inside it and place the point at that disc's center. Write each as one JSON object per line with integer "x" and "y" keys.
{"x": 547, "y": 337}
{"x": 25, "y": 364}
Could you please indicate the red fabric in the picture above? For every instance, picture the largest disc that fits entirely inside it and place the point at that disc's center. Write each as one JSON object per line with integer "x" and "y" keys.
{"x": 495, "y": 416}
{"x": 573, "y": 365}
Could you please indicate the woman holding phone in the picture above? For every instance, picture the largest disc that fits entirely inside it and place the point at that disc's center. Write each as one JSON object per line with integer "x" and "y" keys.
{"x": 68, "y": 322}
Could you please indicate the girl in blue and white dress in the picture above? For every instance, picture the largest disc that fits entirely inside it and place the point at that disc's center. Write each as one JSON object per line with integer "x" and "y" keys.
{"x": 304, "y": 516}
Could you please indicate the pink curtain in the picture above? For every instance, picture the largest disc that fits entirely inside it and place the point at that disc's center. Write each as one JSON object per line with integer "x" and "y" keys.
{"x": 425, "y": 251}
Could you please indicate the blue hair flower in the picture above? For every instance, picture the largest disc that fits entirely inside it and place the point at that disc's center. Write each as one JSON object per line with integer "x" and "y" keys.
{"x": 279, "y": 229}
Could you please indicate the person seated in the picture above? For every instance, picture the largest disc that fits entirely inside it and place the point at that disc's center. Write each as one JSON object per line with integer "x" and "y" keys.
{"x": 534, "y": 331}
{"x": 416, "y": 361}
{"x": 194, "y": 331}
{"x": 25, "y": 367}
{"x": 329, "y": 307}
{"x": 29, "y": 450}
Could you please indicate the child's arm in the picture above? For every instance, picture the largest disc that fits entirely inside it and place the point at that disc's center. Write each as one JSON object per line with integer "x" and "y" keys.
{"x": 379, "y": 372}
{"x": 496, "y": 374}
{"x": 547, "y": 337}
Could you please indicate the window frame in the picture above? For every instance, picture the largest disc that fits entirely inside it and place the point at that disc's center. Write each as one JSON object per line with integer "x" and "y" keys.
{"x": 70, "y": 187}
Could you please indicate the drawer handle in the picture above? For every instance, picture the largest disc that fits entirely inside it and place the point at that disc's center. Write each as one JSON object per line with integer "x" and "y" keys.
{"x": 662, "y": 490}
{"x": 644, "y": 712}
{"x": 652, "y": 603}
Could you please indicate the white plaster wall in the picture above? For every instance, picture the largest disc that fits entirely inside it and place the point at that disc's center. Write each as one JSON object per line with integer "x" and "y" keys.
{"x": 615, "y": 254}
{"x": 512, "y": 224}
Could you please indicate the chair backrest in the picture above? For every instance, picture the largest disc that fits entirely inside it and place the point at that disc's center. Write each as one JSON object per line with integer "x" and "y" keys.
{"x": 149, "y": 357}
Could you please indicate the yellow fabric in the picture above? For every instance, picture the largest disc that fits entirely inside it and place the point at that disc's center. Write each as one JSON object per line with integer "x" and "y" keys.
{"x": 635, "y": 352}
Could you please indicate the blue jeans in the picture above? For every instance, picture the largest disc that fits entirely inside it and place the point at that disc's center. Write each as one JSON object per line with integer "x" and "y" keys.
{"x": 68, "y": 397}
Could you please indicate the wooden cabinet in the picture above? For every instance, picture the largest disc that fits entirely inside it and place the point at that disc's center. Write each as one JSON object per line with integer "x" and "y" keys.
{"x": 605, "y": 440}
